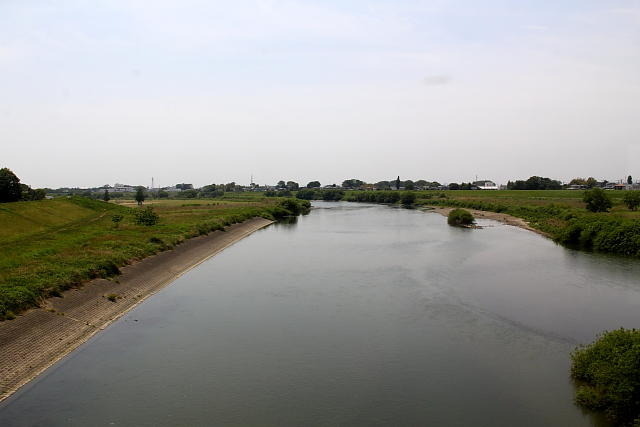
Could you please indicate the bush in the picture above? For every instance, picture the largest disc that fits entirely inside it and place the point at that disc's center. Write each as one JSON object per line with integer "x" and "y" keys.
{"x": 632, "y": 200}
{"x": 609, "y": 373}
{"x": 597, "y": 200}
{"x": 146, "y": 216}
{"x": 460, "y": 218}
{"x": 408, "y": 198}
{"x": 295, "y": 207}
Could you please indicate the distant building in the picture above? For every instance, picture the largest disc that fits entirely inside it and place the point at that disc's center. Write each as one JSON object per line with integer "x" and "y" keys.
{"x": 122, "y": 188}
{"x": 485, "y": 185}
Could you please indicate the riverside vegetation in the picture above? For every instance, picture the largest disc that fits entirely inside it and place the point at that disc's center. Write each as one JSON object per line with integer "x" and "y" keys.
{"x": 592, "y": 220}
{"x": 48, "y": 246}
{"x": 460, "y": 218}
{"x": 608, "y": 374}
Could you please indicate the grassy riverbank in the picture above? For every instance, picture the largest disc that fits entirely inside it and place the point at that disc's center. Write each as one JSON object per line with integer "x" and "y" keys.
{"x": 560, "y": 214}
{"x": 50, "y": 245}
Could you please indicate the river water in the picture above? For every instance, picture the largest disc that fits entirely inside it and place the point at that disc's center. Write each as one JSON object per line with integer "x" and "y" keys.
{"x": 355, "y": 315}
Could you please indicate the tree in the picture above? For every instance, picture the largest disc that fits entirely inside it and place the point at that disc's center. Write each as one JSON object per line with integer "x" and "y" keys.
{"x": 281, "y": 184}
{"x": 106, "y": 196}
{"x": 292, "y": 185}
{"x": 313, "y": 184}
{"x": 231, "y": 186}
{"x": 140, "y": 196}
{"x": 408, "y": 185}
{"x": 454, "y": 186}
{"x": 189, "y": 194}
{"x": 10, "y": 190}
{"x": 629, "y": 180}
{"x": 352, "y": 183}
{"x": 421, "y": 184}
{"x": 398, "y": 183}
{"x": 597, "y": 200}
{"x": 382, "y": 185}
{"x": 591, "y": 182}
{"x": 632, "y": 199}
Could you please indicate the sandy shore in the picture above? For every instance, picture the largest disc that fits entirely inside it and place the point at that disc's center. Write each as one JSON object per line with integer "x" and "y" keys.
{"x": 504, "y": 218}
{"x": 40, "y": 337}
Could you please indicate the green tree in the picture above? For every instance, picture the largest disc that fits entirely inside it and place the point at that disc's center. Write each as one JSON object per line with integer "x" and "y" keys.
{"x": 398, "y": 183}
{"x": 421, "y": 184}
{"x": 591, "y": 182}
{"x": 352, "y": 183}
{"x": 409, "y": 185}
{"x": 292, "y": 185}
{"x": 597, "y": 200}
{"x": 106, "y": 196}
{"x": 10, "y": 190}
{"x": 313, "y": 184}
{"x": 629, "y": 180}
{"x": 140, "y": 196}
{"x": 163, "y": 194}
{"x": 632, "y": 199}
{"x": 281, "y": 184}
{"x": 382, "y": 185}
{"x": 189, "y": 194}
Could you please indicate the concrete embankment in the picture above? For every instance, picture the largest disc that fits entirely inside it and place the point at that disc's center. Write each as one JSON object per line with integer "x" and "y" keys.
{"x": 42, "y": 336}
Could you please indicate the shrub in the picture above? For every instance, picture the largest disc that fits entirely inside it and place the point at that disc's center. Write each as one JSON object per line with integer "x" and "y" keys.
{"x": 632, "y": 200}
{"x": 116, "y": 220}
{"x": 146, "y": 216}
{"x": 408, "y": 198}
{"x": 597, "y": 200}
{"x": 460, "y": 217}
{"x": 112, "y": 297}
{"x": 609, "y": 373}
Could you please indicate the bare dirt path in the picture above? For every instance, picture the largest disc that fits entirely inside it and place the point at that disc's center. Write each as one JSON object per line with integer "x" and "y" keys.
{"x": 42, "y": 336}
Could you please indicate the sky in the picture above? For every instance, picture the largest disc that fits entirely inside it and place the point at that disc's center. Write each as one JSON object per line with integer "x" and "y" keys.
{"x": 98, "y": 92}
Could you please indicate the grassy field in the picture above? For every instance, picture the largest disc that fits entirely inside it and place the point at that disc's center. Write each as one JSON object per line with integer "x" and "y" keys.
{"x": 50, "y": 245}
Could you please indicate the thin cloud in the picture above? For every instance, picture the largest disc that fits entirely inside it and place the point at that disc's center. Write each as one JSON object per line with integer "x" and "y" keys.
{"x": 437, "y": 80}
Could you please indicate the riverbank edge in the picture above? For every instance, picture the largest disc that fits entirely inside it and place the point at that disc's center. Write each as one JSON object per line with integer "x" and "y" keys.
{"x": 40, "y": 337}
{"x": 495, "y": 216}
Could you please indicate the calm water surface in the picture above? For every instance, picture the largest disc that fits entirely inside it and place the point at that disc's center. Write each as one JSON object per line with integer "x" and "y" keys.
{"x": 357, "y": 315}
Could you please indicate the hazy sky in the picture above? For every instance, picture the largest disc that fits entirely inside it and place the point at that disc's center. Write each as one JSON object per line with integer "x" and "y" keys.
{"x": 95, "y": 92}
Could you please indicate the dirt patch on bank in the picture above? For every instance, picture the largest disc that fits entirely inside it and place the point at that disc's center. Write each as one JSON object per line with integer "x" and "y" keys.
{"x": 40, "y": 337}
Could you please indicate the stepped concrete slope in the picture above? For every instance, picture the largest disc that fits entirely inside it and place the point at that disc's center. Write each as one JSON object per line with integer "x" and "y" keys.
{"x": 42, "y": 336}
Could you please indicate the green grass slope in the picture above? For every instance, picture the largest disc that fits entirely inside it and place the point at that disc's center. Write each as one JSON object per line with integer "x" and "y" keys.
{"x": 50, "y": 245}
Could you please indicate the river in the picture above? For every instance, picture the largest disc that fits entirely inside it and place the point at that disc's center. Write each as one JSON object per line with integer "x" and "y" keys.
{"x": 354, "y": 315}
